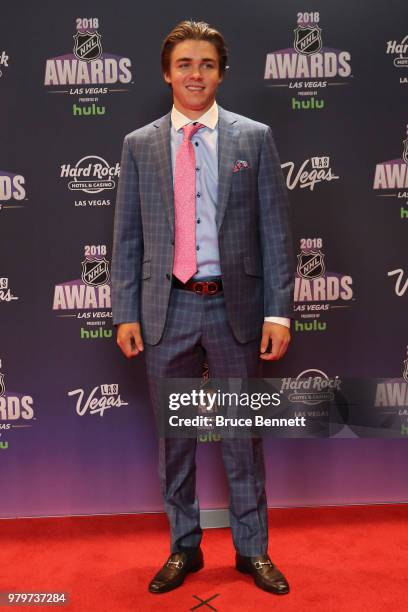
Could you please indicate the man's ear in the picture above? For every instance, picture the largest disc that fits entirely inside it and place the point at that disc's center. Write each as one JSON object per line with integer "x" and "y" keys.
{"x": 166, "y": 77}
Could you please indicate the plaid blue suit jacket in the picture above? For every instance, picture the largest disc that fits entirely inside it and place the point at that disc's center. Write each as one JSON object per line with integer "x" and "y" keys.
{"x": 255, "y": 243}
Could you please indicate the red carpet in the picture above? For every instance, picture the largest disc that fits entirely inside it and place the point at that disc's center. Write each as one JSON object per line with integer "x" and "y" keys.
{"x": 352, "y": 558}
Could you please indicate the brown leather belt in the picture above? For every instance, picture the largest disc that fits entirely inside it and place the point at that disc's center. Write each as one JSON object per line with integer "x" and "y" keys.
{"x": 201, "y": 287}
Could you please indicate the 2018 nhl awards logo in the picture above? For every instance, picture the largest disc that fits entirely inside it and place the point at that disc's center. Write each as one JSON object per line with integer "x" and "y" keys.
{"x": 95, "y": 272}
{"x": 88, "y": 299}
{"x": 307, "y": 67}
{"x": 317, "y": 290}
{"x": 87, "y": 46}
{"x": 308, "y": 40}
{"x": 310, "y": 264}
{"x": 87, "y": 72}
{"x": 387, "y": 414}
{"x": 392, "y": 175}
{"x": 16, "y": 410}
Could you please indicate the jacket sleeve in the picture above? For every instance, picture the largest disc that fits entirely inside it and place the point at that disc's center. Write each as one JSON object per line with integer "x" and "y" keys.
{"x": 127, "y": 249}
{"x": 275, "y": 232}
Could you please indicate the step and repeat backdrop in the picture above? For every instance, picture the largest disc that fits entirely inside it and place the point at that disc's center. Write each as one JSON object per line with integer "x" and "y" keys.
{"x": 76, "y": 430}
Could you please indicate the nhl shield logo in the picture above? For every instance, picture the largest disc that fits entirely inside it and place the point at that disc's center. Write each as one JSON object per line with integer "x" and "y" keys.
{"x": 2, "y": 385}
{"x": 311, "y": 264}
{"x": 87, "y": 46}
{"x": 405, "y": 151}
{"x": 308, "y": 40}
{"x": 95, "y": 272}
{"x": 404, "y": 373}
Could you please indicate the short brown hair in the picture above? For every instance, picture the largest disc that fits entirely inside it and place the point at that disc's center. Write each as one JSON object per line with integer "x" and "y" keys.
{"x": 193, "y": 30}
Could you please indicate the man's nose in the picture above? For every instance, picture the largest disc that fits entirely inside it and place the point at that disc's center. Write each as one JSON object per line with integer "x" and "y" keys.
{"x": 196, "y": 72}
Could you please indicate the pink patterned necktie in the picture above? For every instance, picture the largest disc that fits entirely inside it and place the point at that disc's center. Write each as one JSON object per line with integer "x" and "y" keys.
{"x": 185, "y": 256}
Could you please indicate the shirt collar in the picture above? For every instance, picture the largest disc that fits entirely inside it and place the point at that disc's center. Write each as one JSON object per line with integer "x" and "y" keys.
{"x": 209, "y": 118}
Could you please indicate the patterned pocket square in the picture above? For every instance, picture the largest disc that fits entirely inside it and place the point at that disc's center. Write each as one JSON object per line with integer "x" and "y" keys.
{"x": 240, "y": 164}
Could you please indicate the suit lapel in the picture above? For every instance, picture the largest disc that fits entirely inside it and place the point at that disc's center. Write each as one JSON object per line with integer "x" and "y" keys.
{"x": 162, "y": 154}
{"x": 228, "y": 133}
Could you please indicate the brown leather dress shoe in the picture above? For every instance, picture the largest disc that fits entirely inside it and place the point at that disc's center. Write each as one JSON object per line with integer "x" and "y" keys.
{"x": 265, "y": 574}
{"x": 173, "y": 572}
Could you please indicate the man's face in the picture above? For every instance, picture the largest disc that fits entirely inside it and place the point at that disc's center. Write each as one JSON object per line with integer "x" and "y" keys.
{"x": 194, "y": 76}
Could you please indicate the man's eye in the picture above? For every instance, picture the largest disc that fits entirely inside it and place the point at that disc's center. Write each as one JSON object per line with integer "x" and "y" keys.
{"x": 209, "y": 65}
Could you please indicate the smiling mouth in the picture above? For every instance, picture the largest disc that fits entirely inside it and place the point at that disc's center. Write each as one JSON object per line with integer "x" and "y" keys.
{"x": 195, "y": 87}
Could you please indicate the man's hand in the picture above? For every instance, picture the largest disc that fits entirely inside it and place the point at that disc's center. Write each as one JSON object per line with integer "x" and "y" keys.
{"x": 280, "y": 337}
{"x": 129, "y": 338}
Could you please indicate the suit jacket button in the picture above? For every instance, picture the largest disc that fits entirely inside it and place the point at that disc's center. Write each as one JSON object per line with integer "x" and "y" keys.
{"x": 172, "y": 242}
{"x": 168, "y": 276}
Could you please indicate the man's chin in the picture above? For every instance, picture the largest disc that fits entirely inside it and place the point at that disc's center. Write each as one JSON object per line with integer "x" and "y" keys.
{"x": 197, "y": 105}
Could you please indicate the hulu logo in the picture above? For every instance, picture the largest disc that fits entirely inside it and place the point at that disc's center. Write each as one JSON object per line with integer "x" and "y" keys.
{"x": 313, "y": 326}
{"x": 404, "y": 430}
{"x": 95, "y": 333}
{"x": 4, "y": 445}
{"x": 88, "y": 111}
{"x": 307, "y": 104}
{"x": 404, "y": 213}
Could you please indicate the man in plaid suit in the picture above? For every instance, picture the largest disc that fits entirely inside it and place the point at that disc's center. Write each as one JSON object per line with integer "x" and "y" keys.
{"x": 233, "y": 304}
